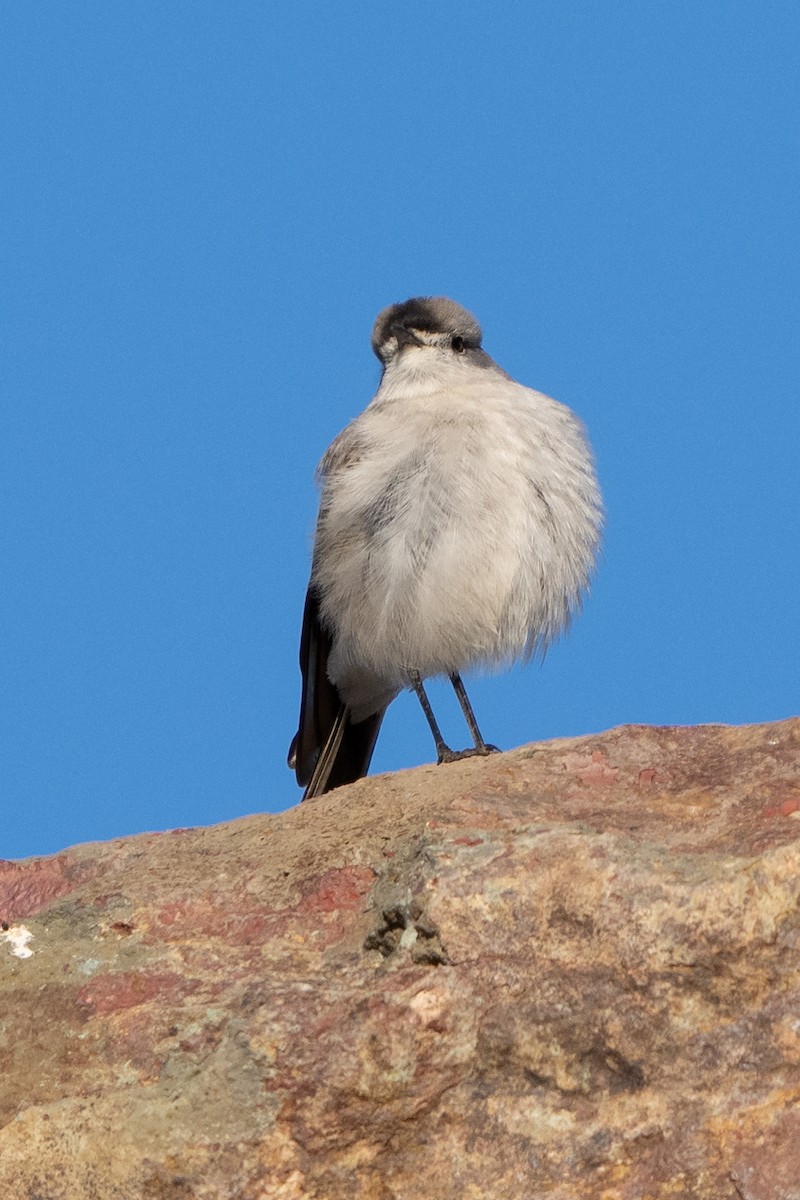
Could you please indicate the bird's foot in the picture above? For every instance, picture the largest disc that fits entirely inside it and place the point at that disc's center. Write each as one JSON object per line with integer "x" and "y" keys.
{"x": 446, "y": 755}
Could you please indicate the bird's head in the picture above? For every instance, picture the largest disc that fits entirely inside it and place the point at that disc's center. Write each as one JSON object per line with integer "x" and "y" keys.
{"x": 431, "y": 323}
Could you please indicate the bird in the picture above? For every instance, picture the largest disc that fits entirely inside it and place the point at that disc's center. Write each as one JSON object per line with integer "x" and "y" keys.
{"x": 459, "y": 524}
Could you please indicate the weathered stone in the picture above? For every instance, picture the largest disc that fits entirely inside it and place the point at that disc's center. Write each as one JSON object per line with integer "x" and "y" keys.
{"x": 567, "y": 971}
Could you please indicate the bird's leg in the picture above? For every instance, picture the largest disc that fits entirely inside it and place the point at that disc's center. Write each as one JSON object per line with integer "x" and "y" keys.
{"x": 443, "y": 751}
{"x": 481, "y": 747}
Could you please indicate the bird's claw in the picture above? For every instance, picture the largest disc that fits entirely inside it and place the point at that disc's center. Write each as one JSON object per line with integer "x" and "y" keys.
{"x": 446, "y": 755}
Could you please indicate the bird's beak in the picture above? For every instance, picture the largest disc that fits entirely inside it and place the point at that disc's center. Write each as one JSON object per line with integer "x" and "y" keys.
{"x": 405, "y": 337}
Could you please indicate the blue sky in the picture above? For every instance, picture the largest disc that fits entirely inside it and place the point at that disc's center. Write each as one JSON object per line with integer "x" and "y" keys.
{"x": 202, "y": 208}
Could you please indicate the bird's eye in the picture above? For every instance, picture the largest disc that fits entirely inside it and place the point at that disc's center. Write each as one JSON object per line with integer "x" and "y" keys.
{"x": 458, "y": 345}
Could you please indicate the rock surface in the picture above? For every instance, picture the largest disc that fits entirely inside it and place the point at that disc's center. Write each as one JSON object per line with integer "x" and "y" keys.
{"x": 566, "y": 971}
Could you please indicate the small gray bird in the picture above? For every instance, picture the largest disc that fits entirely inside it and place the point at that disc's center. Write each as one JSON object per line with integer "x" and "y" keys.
{"x": 458, "y": 526}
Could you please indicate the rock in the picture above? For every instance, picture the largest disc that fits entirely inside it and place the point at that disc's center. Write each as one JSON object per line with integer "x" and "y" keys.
{"x": 566, "y": 971}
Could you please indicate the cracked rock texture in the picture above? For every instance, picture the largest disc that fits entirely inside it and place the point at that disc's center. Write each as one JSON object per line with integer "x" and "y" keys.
{"x": 566, "y": 971}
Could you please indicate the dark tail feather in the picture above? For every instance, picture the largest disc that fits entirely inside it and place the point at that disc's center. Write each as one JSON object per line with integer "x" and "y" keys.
{"x": 328, "y": 750}
{"x": 346, "y": 755}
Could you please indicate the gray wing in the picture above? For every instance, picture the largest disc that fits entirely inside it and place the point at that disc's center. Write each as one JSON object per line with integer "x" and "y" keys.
{"x": 328, "y": 749}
